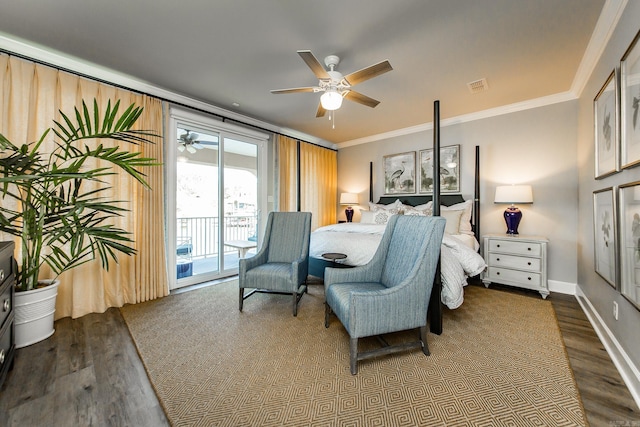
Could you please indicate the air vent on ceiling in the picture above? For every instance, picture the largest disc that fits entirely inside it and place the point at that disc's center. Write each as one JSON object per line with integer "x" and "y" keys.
{"x": 478, "y": 86}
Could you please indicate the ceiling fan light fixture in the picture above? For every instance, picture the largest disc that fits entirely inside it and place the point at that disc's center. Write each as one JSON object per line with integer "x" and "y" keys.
{"x": 331, "y": 100}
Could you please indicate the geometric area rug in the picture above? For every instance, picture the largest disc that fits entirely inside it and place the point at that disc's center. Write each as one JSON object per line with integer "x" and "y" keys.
{"x": 500, "y": 361}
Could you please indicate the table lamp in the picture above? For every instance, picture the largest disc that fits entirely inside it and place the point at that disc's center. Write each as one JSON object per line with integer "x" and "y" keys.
{"x": 513, "y": 194}
{"x": 348, "y": 199}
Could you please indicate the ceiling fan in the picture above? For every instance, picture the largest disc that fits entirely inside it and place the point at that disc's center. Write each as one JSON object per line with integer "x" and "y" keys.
{"x": 189, "y": 141}
{"x": 336, "y": 86}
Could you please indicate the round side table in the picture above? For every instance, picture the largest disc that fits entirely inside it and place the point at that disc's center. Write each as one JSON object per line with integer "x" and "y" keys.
{"x": 333, "y": 256}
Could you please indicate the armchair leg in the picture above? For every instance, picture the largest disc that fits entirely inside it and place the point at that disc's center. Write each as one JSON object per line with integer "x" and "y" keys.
{"x": 295, "y": 304}
{"x": 353, "y": 355}
{"x": 423, "y": 338}
{"x": 241, "y": 298}
{"x": 327, "y": 312}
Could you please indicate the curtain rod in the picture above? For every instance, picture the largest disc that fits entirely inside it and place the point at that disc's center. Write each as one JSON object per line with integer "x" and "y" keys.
{"x": 99, "y": 80}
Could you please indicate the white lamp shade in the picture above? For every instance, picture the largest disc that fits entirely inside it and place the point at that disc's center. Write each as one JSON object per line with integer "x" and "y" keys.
{"x": 514, "y": 194}
{"x": 331, "y": 100}
{"x": 348, "y": 199}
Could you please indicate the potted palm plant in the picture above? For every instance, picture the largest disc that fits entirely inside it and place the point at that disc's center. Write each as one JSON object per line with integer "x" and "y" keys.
{"x": 54, "y": 201}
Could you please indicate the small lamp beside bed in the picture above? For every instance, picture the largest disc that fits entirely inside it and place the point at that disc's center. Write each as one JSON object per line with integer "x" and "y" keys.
{"x": 513, "y": 194}
{"x": 349, "y": 199}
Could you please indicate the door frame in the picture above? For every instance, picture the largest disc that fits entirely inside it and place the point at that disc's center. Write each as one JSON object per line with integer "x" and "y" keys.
{"x": 212, "y": 124}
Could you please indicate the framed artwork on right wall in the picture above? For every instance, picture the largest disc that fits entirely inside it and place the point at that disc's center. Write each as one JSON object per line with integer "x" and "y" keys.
{"x": 604, "y": 215}
{"x": 629, "y": 104}
{"x": 629, "y": 208}
{"x": 605, "y": 115}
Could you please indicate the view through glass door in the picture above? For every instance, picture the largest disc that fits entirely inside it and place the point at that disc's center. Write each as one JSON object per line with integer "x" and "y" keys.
{"x": 217, "y": 201}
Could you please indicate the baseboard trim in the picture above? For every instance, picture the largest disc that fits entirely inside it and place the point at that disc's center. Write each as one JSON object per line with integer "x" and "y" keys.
{"x": 628, "y": 371}
{"x": 562, "y": 287}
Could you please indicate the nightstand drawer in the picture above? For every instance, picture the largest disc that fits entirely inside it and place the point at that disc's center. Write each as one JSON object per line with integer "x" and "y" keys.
{"x": 527, "y": 279}
{"x": 517, "y": 262}
{"x": 515, "y": 247}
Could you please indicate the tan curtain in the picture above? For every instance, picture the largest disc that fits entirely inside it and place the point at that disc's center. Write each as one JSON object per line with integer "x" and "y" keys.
{"x": 287, "y": 149}
{"x": 31, "y": 96}
{"x": 319, "y": 183}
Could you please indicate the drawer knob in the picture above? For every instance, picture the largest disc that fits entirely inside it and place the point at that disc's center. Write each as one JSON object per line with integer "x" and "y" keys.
{"x": 1, "y": 275}
{"x": 6, "y": 305}
{"x": 497, "y": 273}
{"x": 528, "y": 249}
{"x": 497, "y": 259}
{"x": 497, "y": 246}
{"x": 1, "y": 356}
{"x": 528, "y": 278}
{"x": 529, "y": 263}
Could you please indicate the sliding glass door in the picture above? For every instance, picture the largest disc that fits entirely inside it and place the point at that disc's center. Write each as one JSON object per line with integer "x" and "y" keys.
{"x": 215, "y": 201}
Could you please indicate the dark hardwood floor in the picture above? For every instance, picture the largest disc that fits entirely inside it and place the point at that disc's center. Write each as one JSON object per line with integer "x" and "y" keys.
{"x": 89, "y": 374}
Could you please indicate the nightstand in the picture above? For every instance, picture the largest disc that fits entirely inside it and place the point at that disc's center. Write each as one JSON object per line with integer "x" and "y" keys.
{"x": 516, "y": 261}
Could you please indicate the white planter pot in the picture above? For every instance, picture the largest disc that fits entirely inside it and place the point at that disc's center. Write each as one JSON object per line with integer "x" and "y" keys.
{"x": 34, "y": 312}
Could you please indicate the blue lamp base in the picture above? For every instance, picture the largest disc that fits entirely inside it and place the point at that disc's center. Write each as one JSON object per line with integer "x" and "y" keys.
{"x": 512, "y": 217}
{"x": 349, "y": 213}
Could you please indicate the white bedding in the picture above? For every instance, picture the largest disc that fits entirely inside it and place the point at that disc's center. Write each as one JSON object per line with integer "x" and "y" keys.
{"x": 359, "y": 242}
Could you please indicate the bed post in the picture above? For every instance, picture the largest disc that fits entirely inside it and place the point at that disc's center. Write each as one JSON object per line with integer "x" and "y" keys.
{"x": 435, "y": 304}
{"x": 476, "y": 197}
{"x": 371, "y": 182}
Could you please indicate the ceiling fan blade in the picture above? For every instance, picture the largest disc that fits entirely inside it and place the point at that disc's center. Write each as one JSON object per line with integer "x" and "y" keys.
{"x": 314, "y": 64}
{"x": 368, "y": 73}
{"x": 210, "y": 143}
{"x": 181, "y": 148}
{"x": 197, "y": 145}
{"x": 352, "y": 95}
{"x": 191, "y": 149}
{"x": 321, "y": 111}
{"x": 294, "y": 90}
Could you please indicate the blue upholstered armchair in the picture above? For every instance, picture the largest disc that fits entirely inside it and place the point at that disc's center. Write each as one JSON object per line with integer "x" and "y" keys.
{"x": 282, "y": 263}
{"x": 391, "y": 293}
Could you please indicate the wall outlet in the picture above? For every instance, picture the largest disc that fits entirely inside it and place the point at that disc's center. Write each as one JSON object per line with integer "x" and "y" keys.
{"x": 615, "y": 310}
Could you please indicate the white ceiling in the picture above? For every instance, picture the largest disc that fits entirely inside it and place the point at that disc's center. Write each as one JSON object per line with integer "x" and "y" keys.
{"x": 235, "y": 51}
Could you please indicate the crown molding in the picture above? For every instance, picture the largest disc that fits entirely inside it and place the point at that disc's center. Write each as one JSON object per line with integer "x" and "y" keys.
{"x": 606, "y": 25}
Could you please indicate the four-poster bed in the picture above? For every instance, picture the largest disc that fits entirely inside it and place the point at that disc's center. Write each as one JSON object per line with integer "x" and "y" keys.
{"x": 459, "y": 258}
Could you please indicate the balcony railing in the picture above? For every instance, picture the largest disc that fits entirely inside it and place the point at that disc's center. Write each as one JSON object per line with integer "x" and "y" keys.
{"x": 199, "y": 237}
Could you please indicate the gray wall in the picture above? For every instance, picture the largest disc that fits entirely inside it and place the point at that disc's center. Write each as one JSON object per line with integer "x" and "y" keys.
{"x": 536, "y": 147}
{"x": 599, "y": 293}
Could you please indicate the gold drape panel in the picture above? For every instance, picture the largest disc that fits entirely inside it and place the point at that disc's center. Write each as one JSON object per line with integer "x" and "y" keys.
{"x": 31, "y": 95}
{"x": 287, "y": 173}
{"x": 319, "y": 183}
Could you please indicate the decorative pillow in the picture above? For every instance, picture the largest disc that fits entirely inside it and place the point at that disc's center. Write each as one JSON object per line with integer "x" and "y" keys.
{"x": 366, "y": 217}
{"x": 453, "y": 221}
{"x": 395, "y": 205}
{"x": 382, "y": 216}
{"x": 465, "y": 220}
{"x": 424, "y": 210}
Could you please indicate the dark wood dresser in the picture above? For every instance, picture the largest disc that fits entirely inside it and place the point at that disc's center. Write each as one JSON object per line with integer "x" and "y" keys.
{"x": 7, "y": 283}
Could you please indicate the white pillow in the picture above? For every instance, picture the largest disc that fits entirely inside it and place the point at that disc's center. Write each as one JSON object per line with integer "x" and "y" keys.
{"x": 453, "y": 221}
{"x": 382, "y": 216}
{"x": 465, "y": 220}
{"x": 366, "y": 217}
{"x": 395, "y": 205}
{"x": 424, "y": 209}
